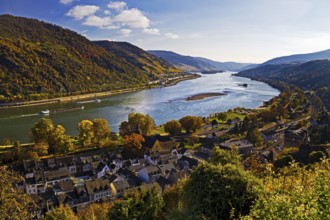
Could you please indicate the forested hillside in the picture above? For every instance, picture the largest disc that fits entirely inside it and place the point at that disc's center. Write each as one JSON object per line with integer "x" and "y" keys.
{"x": 40, "y": 60}
{"x": 189, "y": 63}
{"x": 313, "y": 75}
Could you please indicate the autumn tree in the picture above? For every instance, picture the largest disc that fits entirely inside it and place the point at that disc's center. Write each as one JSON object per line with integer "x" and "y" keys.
{"x": 191, "y": 123}
{"x": 97, "y": 211}
{"x": 63, "y": 212}
{"x": 41, "y": 148}
{"x": 42, "y": 130}
{"x": 13, "y": 204}
{"x": 173, "y": 127}
{"x": 101, "y": 130}
{"x": 137, "y": 123}
{"x": 59, "y": 141}
{"x": 85, "y": 132}
{"x": 133, "y": 141}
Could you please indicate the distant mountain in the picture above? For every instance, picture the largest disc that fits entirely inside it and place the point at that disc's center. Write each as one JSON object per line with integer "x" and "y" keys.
{"x": 40, "y": 60}
{"x": 188, "y": 63}
{"x": 300, "y": 58}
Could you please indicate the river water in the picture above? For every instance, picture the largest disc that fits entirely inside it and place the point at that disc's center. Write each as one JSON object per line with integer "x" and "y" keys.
{"x": 163, "y": 104}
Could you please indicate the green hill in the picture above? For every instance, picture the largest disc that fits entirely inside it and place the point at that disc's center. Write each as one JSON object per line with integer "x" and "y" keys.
{"x": 312, "y": 75}
{"x": 40, "y": 60}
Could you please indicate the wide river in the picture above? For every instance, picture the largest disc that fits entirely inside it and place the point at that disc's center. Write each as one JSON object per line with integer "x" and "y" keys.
{"x": 163, "y": 104}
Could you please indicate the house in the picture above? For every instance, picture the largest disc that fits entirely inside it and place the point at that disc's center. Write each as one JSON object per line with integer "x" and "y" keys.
{"x": 295, "y": 138}
{"x": 201, "y": 156}
{"x": 54, "y": 177}
{"x": 98, "y": 189}
{"x": 244, "y": 146}
{"x": 34, "y": 187}
{"x": 149, "y": 173}
{"x": 101, "y": 169}
{"x": 119, "y": 187}
{"x": 166, "y": 168}
{"x": 186, "y": 163}
{"x": 159, "y": 143}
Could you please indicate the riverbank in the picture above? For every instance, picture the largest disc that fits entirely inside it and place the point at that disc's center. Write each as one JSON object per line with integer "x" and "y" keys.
{"x": 203, "y": 96}
{"x": 74, "y": 98}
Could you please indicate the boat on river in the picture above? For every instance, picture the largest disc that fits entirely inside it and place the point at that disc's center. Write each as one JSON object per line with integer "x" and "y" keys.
{"x": 45, "y": 112}
{"x": 89, "y": 101}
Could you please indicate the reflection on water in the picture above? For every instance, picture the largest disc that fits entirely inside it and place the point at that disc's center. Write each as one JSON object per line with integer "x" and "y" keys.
{"x": 163, "y": 104}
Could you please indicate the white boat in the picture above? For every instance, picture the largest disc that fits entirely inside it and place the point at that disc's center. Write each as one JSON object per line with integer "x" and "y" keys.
{"x": 45, "y": 112}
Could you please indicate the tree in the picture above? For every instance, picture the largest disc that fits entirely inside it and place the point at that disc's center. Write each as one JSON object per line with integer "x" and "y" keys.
{"x": 101, "y": 130}
{"x": 59, "y": 142}
{"x": 85, "y": 132}
{"x": 41, "y": 148}
{"x": 42, "y": 130}
{"x": 222, "y": 116}
{"x": 137, "y": 123}
{"x": 134, "y": 141}
{"x": 173, "y": 127}
{"x": 95, "y": 211}
{"x": 191, "y": 123}
{"x": 140, "y": 205}
{"x": 254, "y": 136}
{"x": 223, "y": 157}
{"x": 214, "y": 122}
{"x": 63, "y": 212}
{"x": 13, "y": 204}
{"x": 220, "y": 192}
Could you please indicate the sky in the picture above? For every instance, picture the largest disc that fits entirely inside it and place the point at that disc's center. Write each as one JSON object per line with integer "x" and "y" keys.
{"x": 251, "y": 31}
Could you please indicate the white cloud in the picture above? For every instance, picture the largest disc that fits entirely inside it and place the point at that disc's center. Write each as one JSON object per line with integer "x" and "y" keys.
{"x": 95, "y": 21}
{"x": 125, "y": 32}
{"x": 81, "y": 11}
{"x": 171, "y": 36}
{"x": 153, "y": 31}
{"x": 65, "y": 2}
{"x": 117, "y": 5}
{"x": 106, "y": 12}
{"x": 133, "y": 18}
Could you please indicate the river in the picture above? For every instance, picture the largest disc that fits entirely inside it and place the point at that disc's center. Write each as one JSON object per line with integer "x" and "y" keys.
{"x": 163, "y": 104}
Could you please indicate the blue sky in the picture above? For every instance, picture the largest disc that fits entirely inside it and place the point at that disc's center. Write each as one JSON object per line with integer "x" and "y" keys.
{"x": 222, "y": 30}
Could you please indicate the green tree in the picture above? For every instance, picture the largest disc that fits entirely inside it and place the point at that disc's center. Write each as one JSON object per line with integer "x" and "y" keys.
{"x": 191, "y": 123}
{"x": 223, "y": 157}
{"x": 85, "y": 132}
{"x": 254, "y": 136}
{"x": 140, "y": 205}
{"x": 13, "y": 204}
{"x": 220, "y": 192}
{"x": 173, "y": 127}
{"x": 101, "y": 130}
{"x": 63, "y": 212}
{"x": 222, "y": 116}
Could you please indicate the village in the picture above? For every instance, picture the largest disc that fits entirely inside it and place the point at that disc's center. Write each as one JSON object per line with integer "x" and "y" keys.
{"x": 100, "y": 175}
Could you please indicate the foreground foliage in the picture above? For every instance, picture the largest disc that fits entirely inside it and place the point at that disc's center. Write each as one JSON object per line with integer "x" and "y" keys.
{"x": 13, "y": 204}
